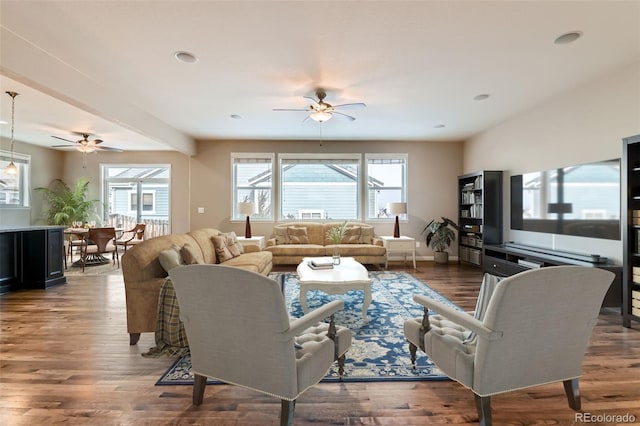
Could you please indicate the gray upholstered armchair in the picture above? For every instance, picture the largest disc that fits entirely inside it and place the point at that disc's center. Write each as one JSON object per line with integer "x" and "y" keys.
{"x": 529, "y": 329}
{"x": 239, "y": 332}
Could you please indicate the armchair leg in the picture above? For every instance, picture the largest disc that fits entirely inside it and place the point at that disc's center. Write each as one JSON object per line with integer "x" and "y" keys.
{"x": 413, "y": 350}
{"x": 483, "y": 405}
{"x": 571, "y": 388}
{"x": 133, "y": 338}
{"x": 199, "y": 384}
{"x": 286, "y": 412}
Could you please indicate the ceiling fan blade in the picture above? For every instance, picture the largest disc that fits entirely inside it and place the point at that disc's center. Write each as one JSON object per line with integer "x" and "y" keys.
{"x": 311, "y": 100}
{"x": 108, "y": 148}
{"x": 341, "y": 114}
{"x": 97, "y": 141}
{"x": 67, "y": 140}
{"x": 351, "y": 106}
{"x": 63, "y": 146}
{"x": 291, "y": 109}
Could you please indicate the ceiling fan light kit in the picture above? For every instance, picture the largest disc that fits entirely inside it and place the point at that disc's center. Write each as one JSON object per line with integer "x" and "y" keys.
{"x": 321, "y": 111}
{"x": 85, "y": 146}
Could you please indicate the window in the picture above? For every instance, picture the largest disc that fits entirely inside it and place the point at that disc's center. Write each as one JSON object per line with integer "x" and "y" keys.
{"x": 386, "y": 183}
{"x": 320, "y": 186}
{"x": 14, "y": 189}
{"x": 137, "y": 194}
{"x": 148, "y": 202}
{"x": 252, "y": 180}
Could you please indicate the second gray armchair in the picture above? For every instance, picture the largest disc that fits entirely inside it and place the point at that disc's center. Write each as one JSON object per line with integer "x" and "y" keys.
{"x": 529, "y": 329}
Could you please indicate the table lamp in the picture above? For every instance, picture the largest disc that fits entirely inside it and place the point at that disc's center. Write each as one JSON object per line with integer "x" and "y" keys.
{"x": 248, "y": 208}
{"x": 397, "y": 209}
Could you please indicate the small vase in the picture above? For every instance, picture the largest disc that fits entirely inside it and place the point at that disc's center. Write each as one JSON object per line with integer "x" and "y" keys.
{"x": 336, "y": 256}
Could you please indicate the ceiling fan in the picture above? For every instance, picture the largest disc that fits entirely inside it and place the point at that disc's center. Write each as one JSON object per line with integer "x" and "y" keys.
{"x": 85, "y": 146}
{"x": 321, "y": 111}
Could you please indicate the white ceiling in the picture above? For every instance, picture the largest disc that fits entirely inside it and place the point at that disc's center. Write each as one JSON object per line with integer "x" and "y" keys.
{"x": 107, "y": 67}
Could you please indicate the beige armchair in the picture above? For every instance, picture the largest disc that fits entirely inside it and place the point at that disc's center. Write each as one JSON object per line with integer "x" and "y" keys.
{"x": 239, "y": 332}
{"x": 532, "y": 330}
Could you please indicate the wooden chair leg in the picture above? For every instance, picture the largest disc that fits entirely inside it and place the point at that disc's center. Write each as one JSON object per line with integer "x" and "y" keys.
{"x": 483, "y": 405}
{"x": 286, "y": 412}
{"x": 199, "y": 384}
{"x": 572, "y": 389}
{"x": 413, "y": 350}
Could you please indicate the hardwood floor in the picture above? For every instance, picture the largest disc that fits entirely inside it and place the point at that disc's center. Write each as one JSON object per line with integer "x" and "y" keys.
{"x": 65, "y": 358}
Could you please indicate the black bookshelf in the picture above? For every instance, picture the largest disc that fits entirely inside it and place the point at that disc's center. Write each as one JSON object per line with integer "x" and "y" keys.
{"x": 479, "y": 214}
{"x": 631, "y": 230}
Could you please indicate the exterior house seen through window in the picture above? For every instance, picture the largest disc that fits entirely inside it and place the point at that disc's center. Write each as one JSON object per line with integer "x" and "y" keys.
{"x": 319, "y": 186}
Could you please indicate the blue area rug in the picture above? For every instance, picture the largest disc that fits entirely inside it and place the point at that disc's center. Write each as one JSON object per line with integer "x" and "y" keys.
{"x": 379, "y": 351}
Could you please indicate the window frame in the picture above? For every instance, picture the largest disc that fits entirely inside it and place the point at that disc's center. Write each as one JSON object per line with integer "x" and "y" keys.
{"x": 23, "y": 162}
{"x": 284, "y": 157}
{"x": 270, "y": 158}
{"x": 404, "y": 157}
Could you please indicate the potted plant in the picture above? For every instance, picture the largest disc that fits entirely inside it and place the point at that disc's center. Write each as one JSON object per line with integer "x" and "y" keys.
{"x": 67, "y": 205}
{"x": 439, "y": 235}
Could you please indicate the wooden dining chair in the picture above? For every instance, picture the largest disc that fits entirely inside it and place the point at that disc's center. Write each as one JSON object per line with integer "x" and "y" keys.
{"x": 97, "y": 242}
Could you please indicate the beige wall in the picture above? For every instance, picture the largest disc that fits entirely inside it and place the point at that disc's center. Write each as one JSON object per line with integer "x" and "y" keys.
{"x": 433, "y": 169}
{"x": 178, "y": 162}
{"x": 582, "y": 125}
{"x": 46, "y": 165}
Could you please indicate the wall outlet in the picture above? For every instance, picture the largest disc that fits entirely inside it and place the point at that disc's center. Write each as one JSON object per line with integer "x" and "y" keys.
{"x": 417, "y": 244}
{"x": 200, "y": 210}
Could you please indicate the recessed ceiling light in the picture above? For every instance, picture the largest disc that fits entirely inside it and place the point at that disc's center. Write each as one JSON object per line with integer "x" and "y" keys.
{"x": 569, "y": 37}
{"x": 186, "y": 57}
{"x": 481, "y": 97}
{"x": 236, "y": 116}
{"x": 439, "y": 126}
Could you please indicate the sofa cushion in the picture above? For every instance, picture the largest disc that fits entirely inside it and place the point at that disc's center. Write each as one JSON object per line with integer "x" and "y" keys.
{"x": 305, "y": 250}
{"x": 255, "y": 261}
{"x": 189, "y": 255}
{"x": 280, "y": 234}
{"x": 352, "y": 235}
{"x": 297, "y": 235}
{"x": 170, "y": 258}
{"x": 353, "y": 250}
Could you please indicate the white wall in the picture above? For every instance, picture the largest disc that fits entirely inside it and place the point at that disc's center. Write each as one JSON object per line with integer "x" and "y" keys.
{"x": 582, "y": 125}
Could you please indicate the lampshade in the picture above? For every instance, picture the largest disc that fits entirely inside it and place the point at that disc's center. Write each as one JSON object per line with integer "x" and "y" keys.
{"x": 320, "y": 116}
{"x": 247, "y": 208}
{"x": 397, "y": 208}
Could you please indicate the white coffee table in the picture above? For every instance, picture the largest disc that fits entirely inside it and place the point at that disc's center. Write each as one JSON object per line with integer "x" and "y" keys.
{"x": 348, "y": 275}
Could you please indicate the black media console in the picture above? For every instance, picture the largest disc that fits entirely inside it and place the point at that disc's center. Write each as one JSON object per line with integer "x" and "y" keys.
{"x": 510, "y": 258}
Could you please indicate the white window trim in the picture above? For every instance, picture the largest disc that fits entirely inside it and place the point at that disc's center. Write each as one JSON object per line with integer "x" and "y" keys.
{"x": 23, "y": 180}
{"x": 234, "y": 200}
{"x": 282, "y": 157}
{"x": 385, "y": 156}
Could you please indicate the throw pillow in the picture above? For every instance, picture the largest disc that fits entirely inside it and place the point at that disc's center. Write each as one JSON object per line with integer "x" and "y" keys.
{"x": 366, "y": 235}
{"x": 233, "y": 245}
{"x": 351, "y": 235}
{"x": 170, "y": 258}
{"x": 222, "y": 252}
{"x": 189, "y": 255}
{"x": 280, "y": 234}
{"x": 297, "y": 235}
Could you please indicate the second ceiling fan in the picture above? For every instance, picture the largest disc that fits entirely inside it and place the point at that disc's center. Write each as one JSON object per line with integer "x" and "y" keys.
{"x": 321, "y": 111}
{"x": 85, "y": 145}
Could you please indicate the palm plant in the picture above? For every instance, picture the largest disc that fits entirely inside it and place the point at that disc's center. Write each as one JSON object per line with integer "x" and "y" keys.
{"x": 440, "y": 234}
{"x": 67, "y": 205}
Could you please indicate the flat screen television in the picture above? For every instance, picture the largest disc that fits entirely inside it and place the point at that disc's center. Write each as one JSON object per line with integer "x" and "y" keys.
{"x": 582, "y": 200}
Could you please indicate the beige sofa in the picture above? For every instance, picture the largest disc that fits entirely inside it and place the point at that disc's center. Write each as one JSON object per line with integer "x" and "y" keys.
{"x": 289, "y": 245}
{"x": 144, "y": 275}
